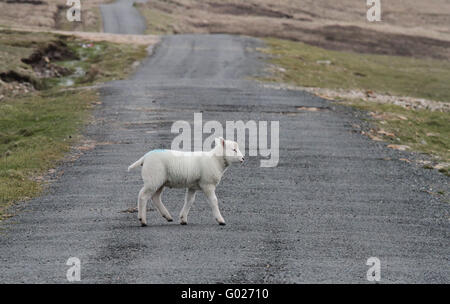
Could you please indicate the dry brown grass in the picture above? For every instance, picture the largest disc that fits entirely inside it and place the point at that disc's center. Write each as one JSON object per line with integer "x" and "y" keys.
{"x": 148, "y": 40}
{"x": 50, "y": 14}
{"x": 409, "y": 28}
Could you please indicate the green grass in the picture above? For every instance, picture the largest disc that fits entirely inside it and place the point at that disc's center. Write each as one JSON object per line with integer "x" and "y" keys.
{"x": 36, "y": 131}
{"x": 423, "y": 78}
{"x": 38, "y": 128}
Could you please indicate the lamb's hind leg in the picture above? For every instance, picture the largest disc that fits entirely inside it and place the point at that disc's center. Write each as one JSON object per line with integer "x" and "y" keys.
{"x": 156, "y": 198}
{"x": 144, "y": 195}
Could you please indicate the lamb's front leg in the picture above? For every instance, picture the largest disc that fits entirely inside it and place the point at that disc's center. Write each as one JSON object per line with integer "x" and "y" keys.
{"x": 156, "y": 199}
{"x": 210, "y": 192}
{"x": 189, "y": 200}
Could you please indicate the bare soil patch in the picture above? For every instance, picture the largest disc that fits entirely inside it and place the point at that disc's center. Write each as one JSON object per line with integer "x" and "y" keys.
{"x": 31, "y": 60}
{"x": 41, "y": 59}
{"x": 40, "y": 63}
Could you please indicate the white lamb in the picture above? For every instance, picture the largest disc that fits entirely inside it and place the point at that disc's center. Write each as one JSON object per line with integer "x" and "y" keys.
{"x": 191, "y": 170}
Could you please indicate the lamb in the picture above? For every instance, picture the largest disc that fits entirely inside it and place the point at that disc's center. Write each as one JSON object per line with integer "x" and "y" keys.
{"x": 191, "y": 170}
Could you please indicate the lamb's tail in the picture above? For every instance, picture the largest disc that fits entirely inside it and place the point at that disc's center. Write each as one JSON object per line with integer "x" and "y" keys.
{"x": 137, "y": 163}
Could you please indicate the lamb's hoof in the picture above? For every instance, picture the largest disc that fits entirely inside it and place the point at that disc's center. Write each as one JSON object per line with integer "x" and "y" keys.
{"x": 143, "y": 224}
{"x": 170, "y": 220}
{"x": 183, "y": 223}
{"x": 222, "y": 223}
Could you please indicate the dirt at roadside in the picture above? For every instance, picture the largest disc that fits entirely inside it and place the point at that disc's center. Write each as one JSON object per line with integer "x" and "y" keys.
{"x": 41, "y": 59}
{"x": 406, "y": 102}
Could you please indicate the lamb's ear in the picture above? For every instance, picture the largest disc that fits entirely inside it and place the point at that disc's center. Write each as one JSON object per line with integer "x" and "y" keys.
{"x": 220, "y": 141}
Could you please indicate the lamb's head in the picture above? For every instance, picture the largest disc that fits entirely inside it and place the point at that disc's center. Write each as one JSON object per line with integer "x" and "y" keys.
{"x": 229, "y": 150}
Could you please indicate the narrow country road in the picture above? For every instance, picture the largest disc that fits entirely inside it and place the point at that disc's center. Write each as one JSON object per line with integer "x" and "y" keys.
{"x": 121, "y": 17}
{"x": 334, "y": 200}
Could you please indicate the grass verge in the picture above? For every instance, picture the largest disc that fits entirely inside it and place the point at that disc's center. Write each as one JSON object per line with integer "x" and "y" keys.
{"x": 311, "y": 66}
{"x": 35, "y": 132}
{"x": 38, "y": 127}
{"x": 420, "y": 130}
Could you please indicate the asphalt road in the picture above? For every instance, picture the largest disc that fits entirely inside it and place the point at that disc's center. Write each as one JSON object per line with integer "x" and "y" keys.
{"x": 334, "y": 200}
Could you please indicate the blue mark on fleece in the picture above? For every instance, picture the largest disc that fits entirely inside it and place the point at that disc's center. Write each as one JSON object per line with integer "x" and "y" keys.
{"x": 155, "y": 151}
